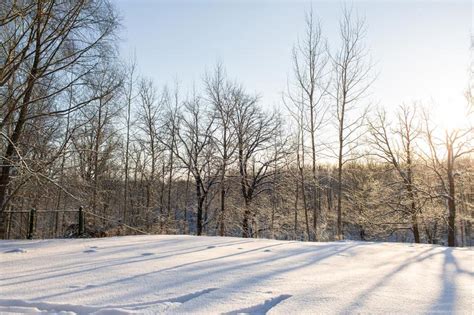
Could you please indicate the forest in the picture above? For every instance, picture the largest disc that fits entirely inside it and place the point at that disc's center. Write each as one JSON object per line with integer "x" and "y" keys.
{"x": 82, "y": 127}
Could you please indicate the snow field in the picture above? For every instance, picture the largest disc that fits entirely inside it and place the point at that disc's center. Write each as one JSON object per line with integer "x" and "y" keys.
{"x": 223, "y": 275}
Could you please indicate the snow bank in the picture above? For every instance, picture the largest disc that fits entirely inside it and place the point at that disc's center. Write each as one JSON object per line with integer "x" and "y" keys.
{"x": 211, "y": 275}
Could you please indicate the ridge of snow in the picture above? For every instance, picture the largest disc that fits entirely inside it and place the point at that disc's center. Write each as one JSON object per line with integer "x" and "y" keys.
{"x": 15, "y": 251}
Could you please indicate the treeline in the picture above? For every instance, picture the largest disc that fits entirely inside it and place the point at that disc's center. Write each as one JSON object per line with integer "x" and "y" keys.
{"x": 82, "y": 128}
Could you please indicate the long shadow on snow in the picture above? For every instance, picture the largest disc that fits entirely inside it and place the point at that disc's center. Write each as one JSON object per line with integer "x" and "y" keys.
{"x": 122, "y": 248}
{"x": 360, "y": 300}
{"x": 319, "y": 253}
{"x": 68, "y": 265}
{"x": 120, "y": 261}
{"x": 87, "y": 309}
{"x": 149, "y": 273}
{"x": 446, "y": 300}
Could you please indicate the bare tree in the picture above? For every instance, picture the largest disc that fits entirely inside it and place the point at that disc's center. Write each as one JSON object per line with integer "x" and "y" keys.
{"x": 173, "y": 121}
{"x": 297, "y": 111}
{"x": 149, "y": 115}
{"x": 310, "y": 61}
{"x": 129, "y": 93}
{"x": 350, "y": 83}
{"x": 444, "y": 155}
{"x": 255, "y": 131}
{"x": 50, "y": 44}
{"x": 196, "y": 150}
{"x": 396, "y": 147}
{"x": 223, "y": 97}
{"x": 99, "y": 139}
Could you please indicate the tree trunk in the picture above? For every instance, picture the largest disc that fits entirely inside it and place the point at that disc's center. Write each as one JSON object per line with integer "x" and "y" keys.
{"x": 15, "y": 137}
{"x": 340, "y": 232}
{"x": 416, "y": 230}
{"x": 451, "y": 201}
{"x": 295, "y": 232}
{"x": 222, "y": 216}
{"x": 200, "y": 203}
{"x": 246, "y": 223}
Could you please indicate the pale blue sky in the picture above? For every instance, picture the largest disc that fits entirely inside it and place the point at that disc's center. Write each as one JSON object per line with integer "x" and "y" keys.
{"x": 420, "y": 48}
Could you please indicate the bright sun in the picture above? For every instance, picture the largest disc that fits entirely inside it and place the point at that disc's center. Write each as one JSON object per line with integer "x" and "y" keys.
{"x": 451, "y": 117}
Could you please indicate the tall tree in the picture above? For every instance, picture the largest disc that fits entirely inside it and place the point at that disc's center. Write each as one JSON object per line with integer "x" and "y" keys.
{"x": 398, "y": 151}
{"x": 173, "y": 121}
{"x": 196, "y": 150}
{"x": 444, "y": 155}
{"x": 296, "y": 109}
{"x": 50, "y": 44}
{"x": 223, "y": 97}
{"x": 351, "y": 74}
{"x": 98, "y": 140}
{"x": 129, "y": 93}
{"x": 310, "y": 60}
{"x": 255, "y": 130}
{"x": 150, "y": 111}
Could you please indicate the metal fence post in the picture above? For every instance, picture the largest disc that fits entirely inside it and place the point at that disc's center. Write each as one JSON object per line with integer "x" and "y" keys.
{"x": 31, "y": 228}
{"x": 9, "y": 226}
{"x": 81, "y": 221}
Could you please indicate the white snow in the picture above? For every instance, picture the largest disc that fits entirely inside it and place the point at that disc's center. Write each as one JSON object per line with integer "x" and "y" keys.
{"x": 212, "y": 275}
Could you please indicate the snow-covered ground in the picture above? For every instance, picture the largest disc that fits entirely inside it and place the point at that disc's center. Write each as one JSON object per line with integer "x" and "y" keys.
{"x": 212, "y": 275}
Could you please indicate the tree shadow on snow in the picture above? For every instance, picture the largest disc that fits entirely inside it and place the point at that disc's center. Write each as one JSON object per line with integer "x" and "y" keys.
{"x": 260, "y": 270}
{"x": 446, "y": 300}
{"x": 131, "y": 278}
{"x": 107, "y": 263}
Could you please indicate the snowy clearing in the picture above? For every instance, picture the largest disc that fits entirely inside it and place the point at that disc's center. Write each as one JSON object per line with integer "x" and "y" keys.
{"x": 211, "y": 275}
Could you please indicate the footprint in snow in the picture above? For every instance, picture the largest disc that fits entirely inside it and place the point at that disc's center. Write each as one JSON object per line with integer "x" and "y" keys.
{"x": 212, "y": 246}
{"x": 16, "y": 250}
{"x": 267, "y": 250}
{"x": 90, "y": 251}
{"x": 262, "y": 308}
